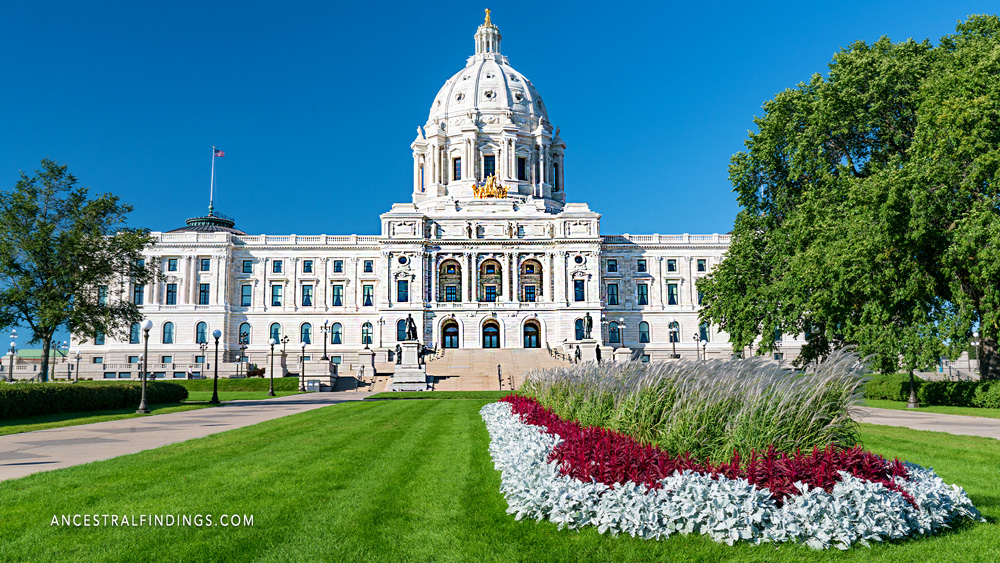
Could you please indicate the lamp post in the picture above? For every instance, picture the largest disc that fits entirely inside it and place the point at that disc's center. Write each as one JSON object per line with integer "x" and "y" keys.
{"x": 704, "y": 353}
{"x": 979, "y": 356}
{"x": 326, "y": 331}
{"x": 203, "y": 346}
{"x": 621, "y": 331}
{"x": 696, "y": 354}
{"x": 244, "y": 339}
{"x": 146, "y": 326}
{"x": 302, "y": 369}
{"x": 674, "y": 337}
{"x": 381, "y": 323}
{"x": 69, "y": 367}
{"x": 12, "y": 352}
{"x": 273, "y": 343}
{"x": 215, "y": 384}
{"x": 284, "y": 343}
{"x": 76, "y": 356}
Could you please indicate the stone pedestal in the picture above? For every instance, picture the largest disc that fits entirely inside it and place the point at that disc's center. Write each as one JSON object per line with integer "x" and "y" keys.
{"x": 366, "y": 357}
{"x": 588, "y": 350}
{"x": 410, "y": 375}
{"x": 623, "y": 354}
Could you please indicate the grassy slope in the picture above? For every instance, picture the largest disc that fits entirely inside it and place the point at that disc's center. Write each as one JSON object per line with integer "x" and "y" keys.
{"x": 42, "y": 422}
{"x": 398, "y": 481}
{"x": 965, "y": 411}
{"x": 487, "y": 395}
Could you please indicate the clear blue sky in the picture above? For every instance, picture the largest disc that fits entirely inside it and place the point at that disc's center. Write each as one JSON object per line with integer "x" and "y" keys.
{"x": 316, "y": 104}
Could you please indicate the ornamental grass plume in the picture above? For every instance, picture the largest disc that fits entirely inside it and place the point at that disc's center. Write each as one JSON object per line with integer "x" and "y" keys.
{"x": 710, "y": 409}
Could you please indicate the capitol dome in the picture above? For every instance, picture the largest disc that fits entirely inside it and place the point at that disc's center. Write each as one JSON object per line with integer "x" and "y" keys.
{"x": 487, "y": 120}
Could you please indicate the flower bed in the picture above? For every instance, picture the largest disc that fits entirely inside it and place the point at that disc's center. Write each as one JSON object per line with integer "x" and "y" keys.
{"x": 601, "y": 478}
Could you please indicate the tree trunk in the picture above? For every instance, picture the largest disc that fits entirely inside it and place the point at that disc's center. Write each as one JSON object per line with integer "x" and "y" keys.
{"x": 46, "y": 346}
{"x": 989, "y": 359}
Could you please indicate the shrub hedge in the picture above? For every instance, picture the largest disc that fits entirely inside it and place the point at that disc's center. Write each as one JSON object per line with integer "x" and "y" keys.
{"x": 29, "y": 399}
{"x": 896, "y": 387}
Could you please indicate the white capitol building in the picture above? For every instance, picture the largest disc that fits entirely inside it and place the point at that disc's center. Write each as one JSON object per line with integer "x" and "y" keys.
{"x": 488, "y": 255}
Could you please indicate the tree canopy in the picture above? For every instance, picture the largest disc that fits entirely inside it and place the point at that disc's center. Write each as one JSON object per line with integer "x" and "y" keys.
{"x": 871, "y": 207}
{"x": 58, "y": 249}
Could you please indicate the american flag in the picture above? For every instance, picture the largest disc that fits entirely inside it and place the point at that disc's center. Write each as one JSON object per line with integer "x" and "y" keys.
{"x": 220, "y": 153}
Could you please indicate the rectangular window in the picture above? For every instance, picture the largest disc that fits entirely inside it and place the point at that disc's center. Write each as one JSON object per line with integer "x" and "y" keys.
{"x": 133, "y": 359}
{"x": 246, "y": 295}
{"x": 109, "y": 375}
{"x": 612, "y": 294}
{"x": 248, "y": 266}
{"x": 102, "y": 294}
{"x": 338, "y": 296}
{"x": 641, "y": 265}
{"x": 171, "y": 294}
{"x": 206, "y": 264}
{"x": 672, "y": 294}
{"x": 402, "y": 291}
{"x": 335, "y": 360}
{"x": 578, "y": 290}
{"x": 171, "y": 264}
{"x": 338, "y": 266}
{"x": 368, "y": 295}
{"x": 490, "y": 293}
{"x": 276, "y": 267}
{"x": 199, "y": 359}
{"x": 489, "y": 165}
{"x": 133, "y": 334}
{"x": 307, "y": 296}
{"x": 703, "y": 332}
{"x": 702, "y": 265}
{"x": 166, "y": 359}
{"x": 522, "y": 168}
{"x": 671, "y": 265}
{"x": 276, "y": 295}
{"x": 644, "y": 358}
{"x": 98, "y": 359}
{"x": 456, "y": 168}
{"x": 612, "y": 266}
{"x": 451, "y": 294}
{"x": 700, "y": 295}
{"x": 137, "y": 292}
{"x": 179, "y": 375}
{"x": 203, "y": 290}
{"x": 99, "y": 338}
{"x": 643, "y": 294}
{"x": 529, "y": 293}
{"x": 307, "y": 266}
{"x": 369, "y": 266}
{"x": 124, "y": 375}
{"x": 778, "y": 356}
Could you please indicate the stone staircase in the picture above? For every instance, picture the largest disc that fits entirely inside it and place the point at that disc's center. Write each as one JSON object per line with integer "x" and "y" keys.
{"x": 476, "y": 369}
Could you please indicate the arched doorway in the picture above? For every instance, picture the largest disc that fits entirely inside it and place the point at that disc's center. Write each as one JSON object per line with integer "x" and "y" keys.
{"x": 449, "y": 335}
{"x": 491, "y": 335}
{"x": 532, "y": 335}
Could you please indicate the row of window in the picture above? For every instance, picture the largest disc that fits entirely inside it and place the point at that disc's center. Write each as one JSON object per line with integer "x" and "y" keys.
{"x": 277, "y": 266}
{"x": 642, "y": 294}
{"x": 275, "y": 332}
{"x": 640, "y": 265}
{"x": 336, "y": 297}
{"x": 615, "y": 332}
{"x": 489, "y": 168}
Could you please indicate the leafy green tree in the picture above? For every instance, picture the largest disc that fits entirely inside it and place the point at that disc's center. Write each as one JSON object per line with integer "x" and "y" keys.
{"x": 871, "y": 207}
{"x": 66, "y": 260}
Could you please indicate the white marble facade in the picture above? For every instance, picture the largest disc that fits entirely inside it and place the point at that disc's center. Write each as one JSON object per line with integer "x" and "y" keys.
{"x": 513, "y": 271}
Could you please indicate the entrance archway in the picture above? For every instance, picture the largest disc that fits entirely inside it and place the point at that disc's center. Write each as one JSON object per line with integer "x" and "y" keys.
{"x": 532, "y": 335}
{"x": 491, "y": 335}
{"x": 449, "y": 335}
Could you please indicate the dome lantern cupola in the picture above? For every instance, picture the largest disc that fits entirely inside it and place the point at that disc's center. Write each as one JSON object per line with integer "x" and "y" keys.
{"x": 487, "y": 38}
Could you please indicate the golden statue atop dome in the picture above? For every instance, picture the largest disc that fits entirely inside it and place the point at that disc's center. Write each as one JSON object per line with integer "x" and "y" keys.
{"x": 491, "y": 189}
{"x": 488, "y": 17}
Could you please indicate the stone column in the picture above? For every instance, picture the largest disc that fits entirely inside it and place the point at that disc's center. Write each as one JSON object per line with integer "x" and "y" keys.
{"x": 516, "y": 280}
{"x": 435, "y": 281}
{"x": 473, "y": 291}
{"x": 293, "y": 290}
{"x": 544, "y": 294}
{"x": 265, "y": 291}
{"x": 388, "y": 277}
{"x": 324, "y": 288}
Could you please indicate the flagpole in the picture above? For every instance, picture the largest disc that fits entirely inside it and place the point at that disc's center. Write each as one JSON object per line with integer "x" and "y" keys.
{"x": 211, "y": 187}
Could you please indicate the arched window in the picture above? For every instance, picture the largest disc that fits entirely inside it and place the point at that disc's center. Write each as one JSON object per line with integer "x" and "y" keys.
{"x": 531, "y": 335}
{"x": 643, "y": 332}
{"x": 614, "y": 333}
{"x": 245, "y": 333}
{"x": 336, "y": 334}
{"x": 275, "y": 332}
{"x": 305, "y": 333}
{"x": 133, "y": 334}
{"x": 168, "y": 333}
{"x": 580, "y": 333}
{"x": 703, "y": 332}
{"x": 401, "y": 330}
{"x": 451, "y": 334}
{"x": 675, "y": 331}
{"x": 366, "y": 333}
{"x": 201, "y": 333}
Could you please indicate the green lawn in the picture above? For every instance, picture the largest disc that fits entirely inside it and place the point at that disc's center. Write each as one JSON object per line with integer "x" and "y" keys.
{"x": 234, "y": 395}
{"x": 966, "y": 411}
{"x": 44, "y": 421}
{"x": 398, "y": 481}
{"x": 487, "y": 395}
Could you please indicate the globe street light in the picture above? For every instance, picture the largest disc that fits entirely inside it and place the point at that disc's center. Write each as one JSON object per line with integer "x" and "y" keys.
{"x": 146, "y": 326}
{"x": 12, "y": 352}
{"x": 215, "y": 384}
{"x": 621, "y": 331}
{"x": 704, "y": 346}
{"x": 274, "y": 342}
{"x": 979, "y": 356}
{"x": 302, "y": 369}
{"x": 695, "y": 338}
{"x": 326, "y": 330}
{"x": 76, "y": 356}
{"x": 203, "y": 346}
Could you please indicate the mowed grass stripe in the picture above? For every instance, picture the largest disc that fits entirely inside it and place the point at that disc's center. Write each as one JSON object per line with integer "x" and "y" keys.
{"x": 398, "y": 481}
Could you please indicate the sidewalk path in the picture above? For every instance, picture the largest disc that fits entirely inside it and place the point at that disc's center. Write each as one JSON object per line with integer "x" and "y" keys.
{"x": 55, "y": 448}
{"x": 950, "y": 423}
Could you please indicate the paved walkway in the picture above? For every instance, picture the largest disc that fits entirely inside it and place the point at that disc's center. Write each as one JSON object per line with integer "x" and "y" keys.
{"x": 950, "y": 423}
{"x": 43, "y": 450}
